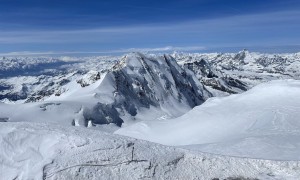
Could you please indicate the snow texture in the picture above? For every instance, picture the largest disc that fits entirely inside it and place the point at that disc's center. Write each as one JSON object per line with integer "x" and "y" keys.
{"x": 45, "y": 151}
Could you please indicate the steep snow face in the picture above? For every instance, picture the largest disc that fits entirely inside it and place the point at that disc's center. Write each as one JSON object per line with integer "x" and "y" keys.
{"x": 47, "y": 151}
{"x": 229, "y": 73}
{"x": 260, "y": 123}
{"x": 133, "y": 87}
{"x": 214, "y": 79}
{"x": 142, "y": 82}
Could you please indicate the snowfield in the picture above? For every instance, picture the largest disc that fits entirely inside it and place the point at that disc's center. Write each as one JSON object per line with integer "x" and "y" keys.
{"x": 260, "y": 123}
{"x": 47, "y": 151}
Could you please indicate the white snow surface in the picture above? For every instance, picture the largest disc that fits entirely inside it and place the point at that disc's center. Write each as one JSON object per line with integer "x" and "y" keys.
{"x": 48, "y": 151}
{"x": 260, "y": 123}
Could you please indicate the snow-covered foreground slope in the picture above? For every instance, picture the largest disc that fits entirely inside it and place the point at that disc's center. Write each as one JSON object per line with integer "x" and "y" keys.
{"x": 260, "y": 123}
{"x": 45, "y": 151}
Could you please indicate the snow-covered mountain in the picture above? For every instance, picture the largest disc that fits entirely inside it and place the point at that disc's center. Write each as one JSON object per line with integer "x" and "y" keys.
{"x": 32, "y": 79}
{"x": 141, "y": 82}
{"x": 231, "y": 73}
{"x": 134, "y": 86}
{"x": 172, "y": 99}
{"x": 101, "y": 90}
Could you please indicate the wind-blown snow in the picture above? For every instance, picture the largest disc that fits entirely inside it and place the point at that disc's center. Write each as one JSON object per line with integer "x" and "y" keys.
{"x": 260, "y": 123}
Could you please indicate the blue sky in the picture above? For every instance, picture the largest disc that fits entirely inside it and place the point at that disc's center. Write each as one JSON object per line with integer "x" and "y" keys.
{"x": 115, "y": 26}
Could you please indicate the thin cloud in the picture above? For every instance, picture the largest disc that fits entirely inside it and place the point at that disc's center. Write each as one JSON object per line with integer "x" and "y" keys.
{"x": 167, "y": 48}
{"x": 265, "y": 29}
{"x": 197, "y": 28}
{"x": 159, "y": 49}
{"x": 26, "y": 53}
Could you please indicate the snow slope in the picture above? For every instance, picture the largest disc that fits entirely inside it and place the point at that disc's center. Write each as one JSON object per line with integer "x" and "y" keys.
{"x": 47, "y": 151}
{"x": 260, "y": 123}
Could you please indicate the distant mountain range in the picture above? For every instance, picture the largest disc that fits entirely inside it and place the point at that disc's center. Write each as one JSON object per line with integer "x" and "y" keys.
{"x": 171, "y": 84}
